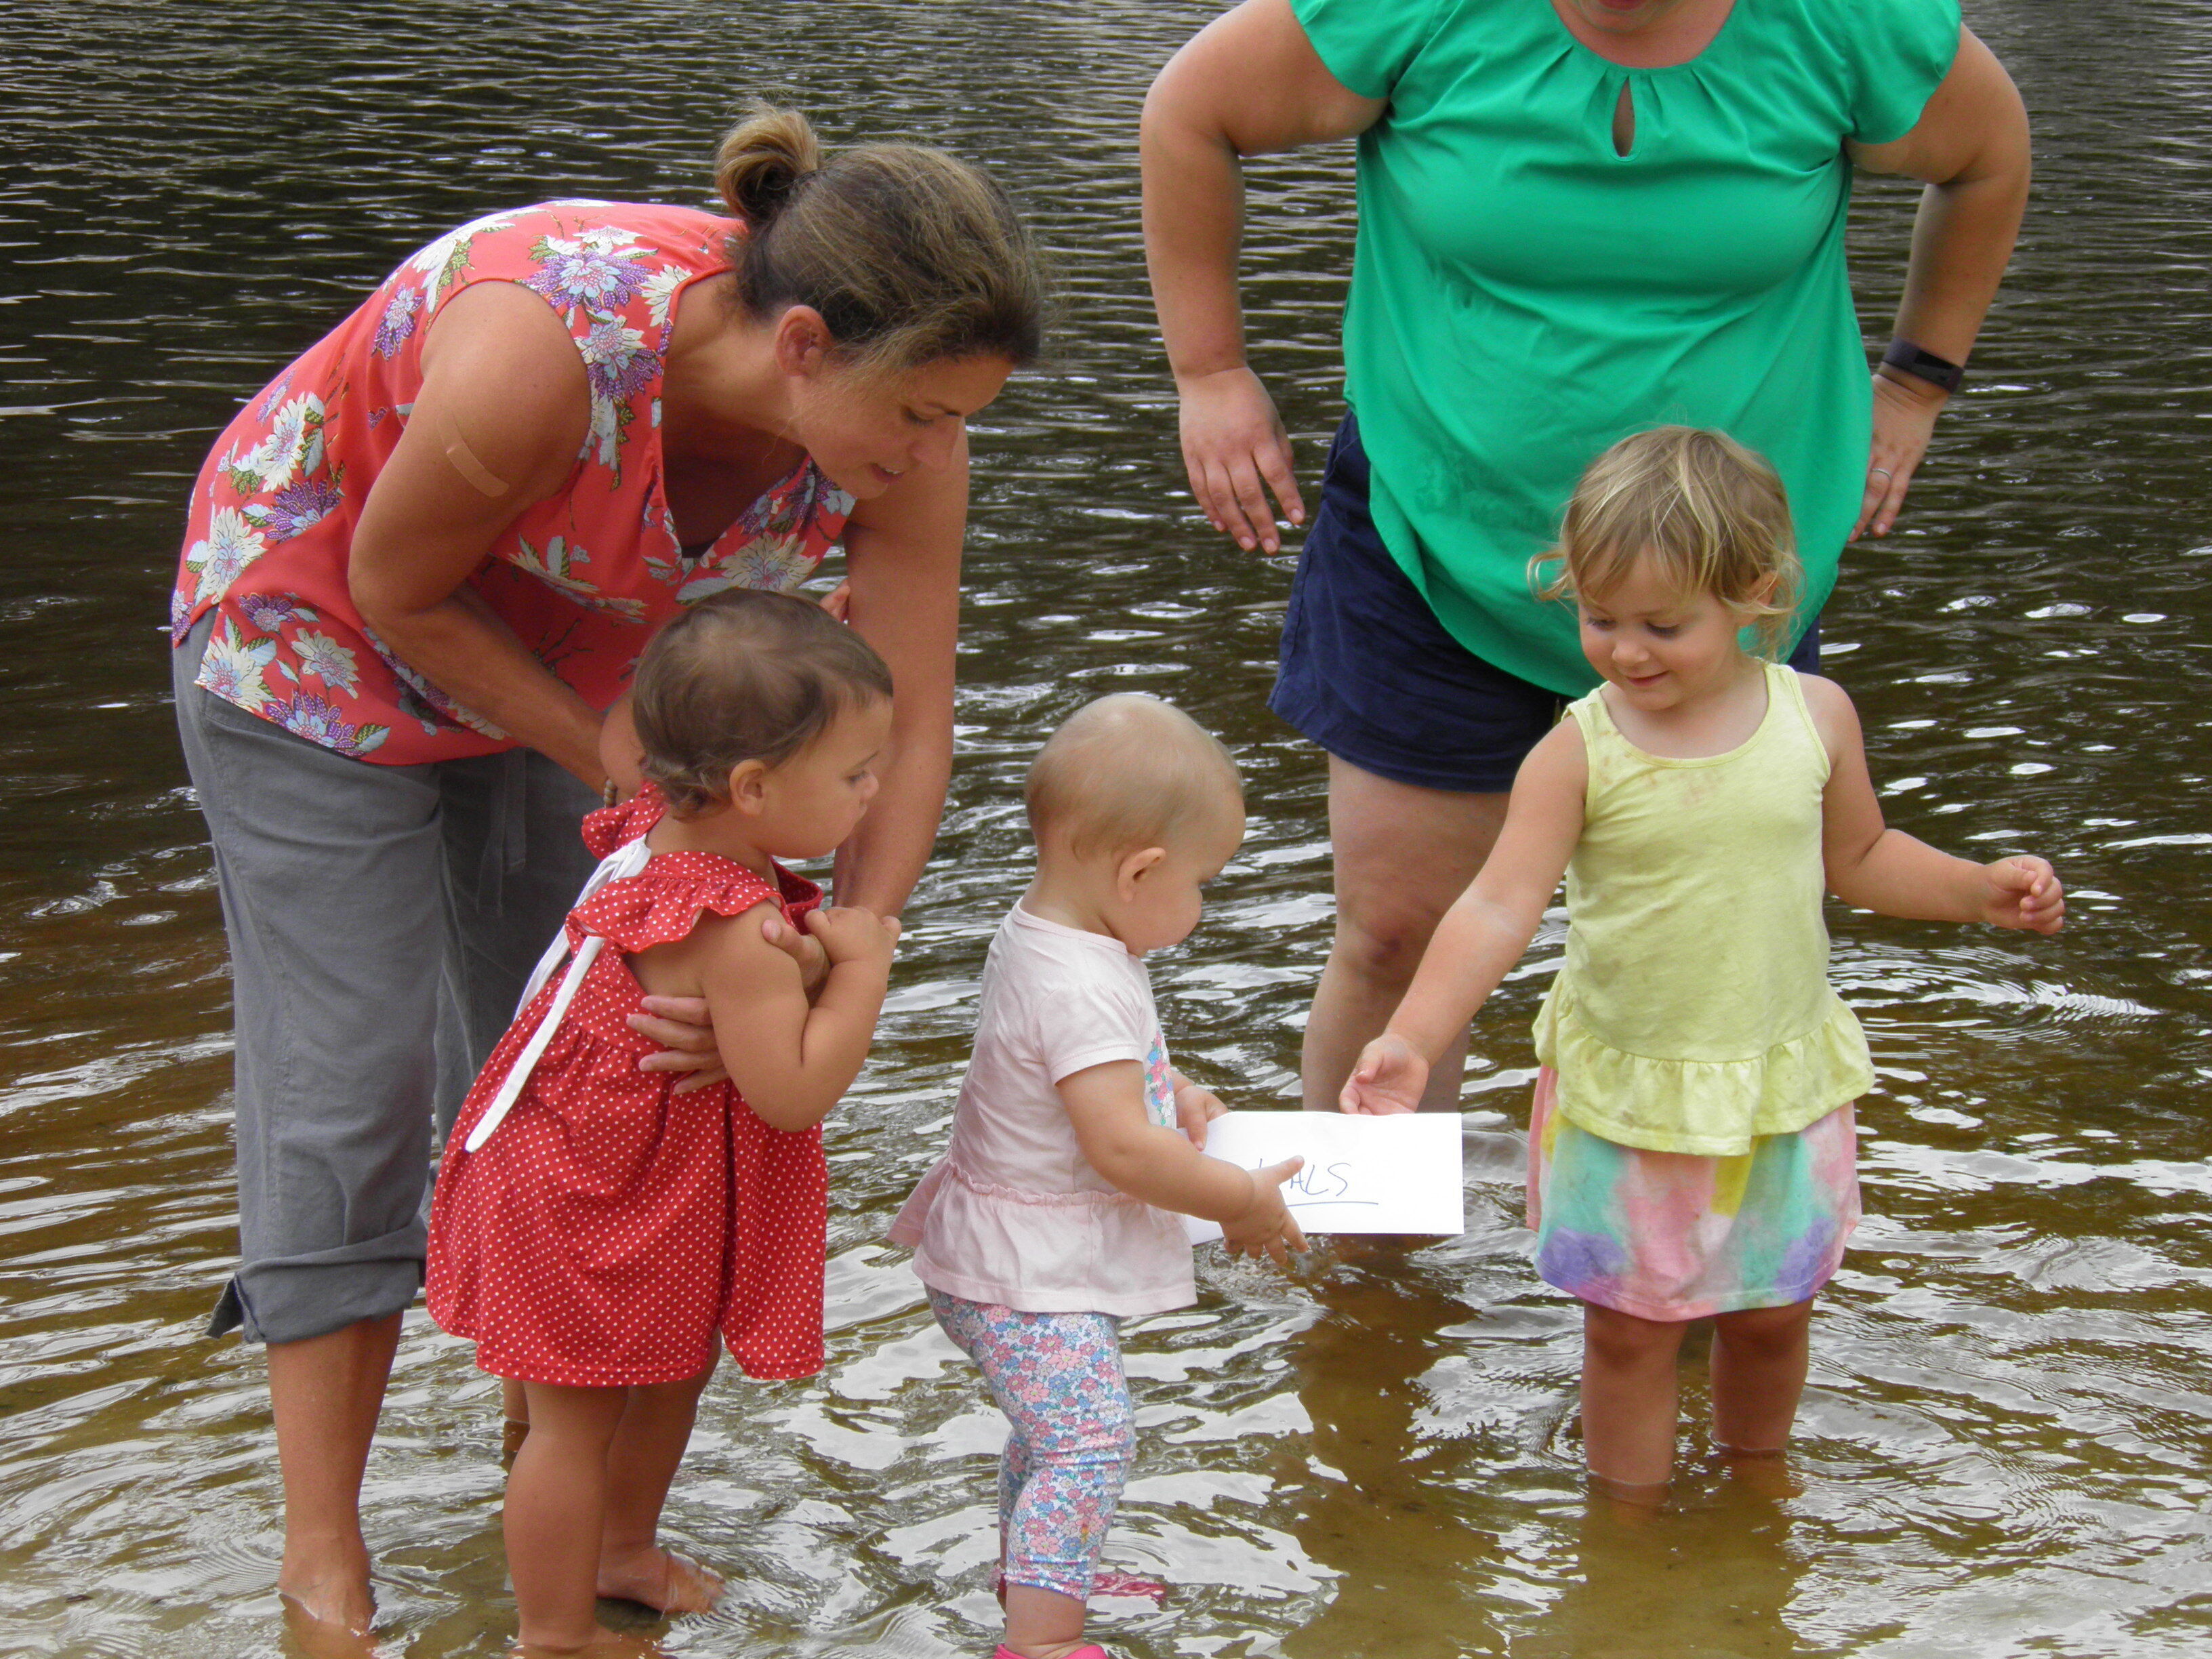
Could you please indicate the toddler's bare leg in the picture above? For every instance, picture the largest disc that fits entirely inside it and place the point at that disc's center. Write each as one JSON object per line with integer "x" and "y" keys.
{"x": 556, "y": 1499}
{"x": 1043, "y": 1623}
{"x": 641, "y": 1461}
{"x": 1629, "y": 1397}
{"x": 1760, "y": 1356}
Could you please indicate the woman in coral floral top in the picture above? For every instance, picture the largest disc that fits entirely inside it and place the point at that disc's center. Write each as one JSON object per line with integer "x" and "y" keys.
{"x": 419, "y": 568}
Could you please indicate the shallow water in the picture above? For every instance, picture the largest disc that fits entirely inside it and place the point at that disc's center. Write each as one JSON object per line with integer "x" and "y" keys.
{"x": 2003, "y": 1447}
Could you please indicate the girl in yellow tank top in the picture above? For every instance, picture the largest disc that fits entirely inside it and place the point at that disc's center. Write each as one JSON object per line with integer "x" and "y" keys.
{"x": 1691, "y": 1147}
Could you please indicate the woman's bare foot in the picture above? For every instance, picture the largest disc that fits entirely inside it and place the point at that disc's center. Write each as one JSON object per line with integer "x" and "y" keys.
{"x": 660, "y": 1579}
{"x": 307, "y": 1637}
{"x": 327, "y": 1584}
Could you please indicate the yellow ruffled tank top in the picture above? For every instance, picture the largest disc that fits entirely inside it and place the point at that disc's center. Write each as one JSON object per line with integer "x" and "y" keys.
{"x": 1694, "y": 1012}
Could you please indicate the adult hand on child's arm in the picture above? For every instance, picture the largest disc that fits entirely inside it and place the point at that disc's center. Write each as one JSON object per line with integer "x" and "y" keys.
{"x": 687, "y": 1028}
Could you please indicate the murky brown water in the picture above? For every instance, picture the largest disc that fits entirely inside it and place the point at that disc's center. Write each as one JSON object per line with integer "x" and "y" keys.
{"x": 2005, "y": 1444}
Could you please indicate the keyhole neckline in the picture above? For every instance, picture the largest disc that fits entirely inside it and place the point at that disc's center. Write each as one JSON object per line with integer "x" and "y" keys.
{"x": 1614, "y": 66}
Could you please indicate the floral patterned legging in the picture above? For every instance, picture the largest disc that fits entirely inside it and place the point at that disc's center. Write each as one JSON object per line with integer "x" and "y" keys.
{"x": 1058, "y": 1377}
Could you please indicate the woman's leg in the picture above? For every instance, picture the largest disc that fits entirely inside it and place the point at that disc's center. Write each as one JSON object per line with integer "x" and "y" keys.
{"x": 1758, "y": 1363}
{"x": 326, "y": 1391}
{"x": 641, "y": 1458}
{"x": 1629, "y": 1397}
{"x": 1403, "y": 853}
{"x": 329, "y": 869}
{"x": 557, "y": 1502}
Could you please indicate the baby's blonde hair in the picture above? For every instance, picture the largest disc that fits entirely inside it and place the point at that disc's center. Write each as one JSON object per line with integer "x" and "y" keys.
{"x": 1126, "y": 772}
{"x": 1712, "y": 515}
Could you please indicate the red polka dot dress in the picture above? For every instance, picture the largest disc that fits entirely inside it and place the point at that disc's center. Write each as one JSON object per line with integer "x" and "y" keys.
{"x": 608, "y": 1228}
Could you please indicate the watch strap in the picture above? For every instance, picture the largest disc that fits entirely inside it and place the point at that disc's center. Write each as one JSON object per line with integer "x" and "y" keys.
{"x": 1924, "y": 365}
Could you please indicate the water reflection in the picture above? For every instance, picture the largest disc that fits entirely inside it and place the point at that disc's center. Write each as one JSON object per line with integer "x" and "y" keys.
{"x": 2003, "y": 1441}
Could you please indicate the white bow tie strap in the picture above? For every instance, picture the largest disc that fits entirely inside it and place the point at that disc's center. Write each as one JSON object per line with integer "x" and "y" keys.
{"x": 627, "y": 859}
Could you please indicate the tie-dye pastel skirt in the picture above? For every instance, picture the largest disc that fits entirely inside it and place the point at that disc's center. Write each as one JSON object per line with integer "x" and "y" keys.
{"x": 1668, "y": 1235}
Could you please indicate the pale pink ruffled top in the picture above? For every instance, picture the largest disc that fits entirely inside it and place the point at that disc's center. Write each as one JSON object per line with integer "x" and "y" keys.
{"x": 1013, "y": 1214}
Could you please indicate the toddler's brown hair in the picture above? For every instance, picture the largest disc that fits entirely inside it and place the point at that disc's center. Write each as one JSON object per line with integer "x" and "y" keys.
{"x": 1714, "y": 514}
{"x": 744, "y": 675}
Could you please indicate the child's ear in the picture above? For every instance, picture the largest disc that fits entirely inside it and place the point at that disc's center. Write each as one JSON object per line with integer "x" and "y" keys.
{"x": 749, "y": 787}
{"x": 1131, "y": 872}
{"x": 1762, "y": 591}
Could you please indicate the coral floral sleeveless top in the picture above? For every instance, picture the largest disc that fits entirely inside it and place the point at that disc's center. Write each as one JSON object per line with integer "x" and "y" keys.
{"x": 583, "y": 578}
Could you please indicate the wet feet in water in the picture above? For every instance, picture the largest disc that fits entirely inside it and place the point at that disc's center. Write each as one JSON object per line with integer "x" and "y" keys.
{"x": 602, "y": 1644}
{"x": 307, "y": 1636}
{"x": 660, "y": 1579}
{"x": 328, "y": 1606}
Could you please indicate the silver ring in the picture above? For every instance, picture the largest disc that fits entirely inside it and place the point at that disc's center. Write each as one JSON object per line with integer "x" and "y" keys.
{"x": 1885, "y": 471}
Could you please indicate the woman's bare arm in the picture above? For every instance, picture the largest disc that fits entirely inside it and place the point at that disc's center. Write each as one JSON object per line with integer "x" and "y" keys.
{"x": 1248, "y": 84}
{"x": 494, "y": 429}
{"x": 1971, "y": 148}
{"x": 902, "y": 550}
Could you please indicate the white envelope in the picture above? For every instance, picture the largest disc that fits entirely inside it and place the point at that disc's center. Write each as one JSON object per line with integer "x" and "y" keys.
{"x": 1363, "y": 1175}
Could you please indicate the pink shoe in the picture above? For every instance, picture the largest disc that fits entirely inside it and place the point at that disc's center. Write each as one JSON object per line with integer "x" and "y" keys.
{"x": 1094, "y": 1651}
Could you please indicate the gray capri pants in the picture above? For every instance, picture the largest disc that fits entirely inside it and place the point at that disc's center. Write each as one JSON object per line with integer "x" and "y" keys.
{"x": 382, "y": 922}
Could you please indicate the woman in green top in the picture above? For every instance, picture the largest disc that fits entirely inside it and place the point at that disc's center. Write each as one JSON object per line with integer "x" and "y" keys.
{"x": 1577, "y": 219}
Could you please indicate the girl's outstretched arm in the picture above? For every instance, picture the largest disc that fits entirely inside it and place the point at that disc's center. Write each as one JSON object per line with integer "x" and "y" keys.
{"x": 1487, "y": 930}
{"x": 1873, "y": 867}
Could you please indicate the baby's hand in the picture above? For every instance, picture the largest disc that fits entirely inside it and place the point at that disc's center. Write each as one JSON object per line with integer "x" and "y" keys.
{"x": 849, "y": 933}
{"x": 1389, "y": 1077}
{"x": 1265, "y": 1227}
{"x": 1195, "y": 1108}
{"x": 2024, "y": 893}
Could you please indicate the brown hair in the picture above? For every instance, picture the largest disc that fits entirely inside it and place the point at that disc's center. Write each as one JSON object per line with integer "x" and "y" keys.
{"x": 1713, "y": 514}
{"x": 744, "y": 675}
{"x": 912, "y": 256}
{"x": 1125, "y": 772}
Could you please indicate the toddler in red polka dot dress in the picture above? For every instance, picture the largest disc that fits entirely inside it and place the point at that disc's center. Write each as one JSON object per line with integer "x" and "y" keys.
{"x": 599, "y": 1236}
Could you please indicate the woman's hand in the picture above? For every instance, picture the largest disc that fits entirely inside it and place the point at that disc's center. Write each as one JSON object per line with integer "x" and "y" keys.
{"x": 1233, "y": 442}
{"x": 1388, "y": 1079}
{"x": 686, "y": 1031}
{"x": 1905, "y": 411}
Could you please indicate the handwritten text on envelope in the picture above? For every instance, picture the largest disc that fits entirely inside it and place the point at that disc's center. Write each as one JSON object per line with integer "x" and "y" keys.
{"x": 1363, "y": 1175}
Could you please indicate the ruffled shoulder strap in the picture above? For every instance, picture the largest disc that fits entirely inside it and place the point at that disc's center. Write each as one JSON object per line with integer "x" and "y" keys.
{"x": 612, "y": 826}
{"x": 664, "y": 902}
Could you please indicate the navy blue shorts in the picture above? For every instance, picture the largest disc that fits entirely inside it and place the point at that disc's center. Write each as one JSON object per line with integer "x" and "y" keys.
{"x": 1369, "y": 673}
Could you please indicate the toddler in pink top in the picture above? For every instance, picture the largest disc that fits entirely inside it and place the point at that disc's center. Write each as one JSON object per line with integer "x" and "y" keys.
{"x": 1055, "y": 1213}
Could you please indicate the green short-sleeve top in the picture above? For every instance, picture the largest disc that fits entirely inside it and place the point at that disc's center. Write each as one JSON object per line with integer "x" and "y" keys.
{"x": 1521, "y": 295}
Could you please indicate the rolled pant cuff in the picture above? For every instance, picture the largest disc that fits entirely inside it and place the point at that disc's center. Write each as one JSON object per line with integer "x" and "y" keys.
{"x": 292, "y": 1298}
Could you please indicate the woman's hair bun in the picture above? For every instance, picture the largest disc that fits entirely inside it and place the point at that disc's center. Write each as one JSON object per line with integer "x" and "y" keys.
{"x": 762, "y": 161}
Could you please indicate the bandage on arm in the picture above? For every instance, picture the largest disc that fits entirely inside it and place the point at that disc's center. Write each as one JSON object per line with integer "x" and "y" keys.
{"x": 463, "y": 459}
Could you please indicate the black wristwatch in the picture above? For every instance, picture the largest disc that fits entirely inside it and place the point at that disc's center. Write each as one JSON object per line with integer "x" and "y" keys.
{"x": 1923, "y": 365}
